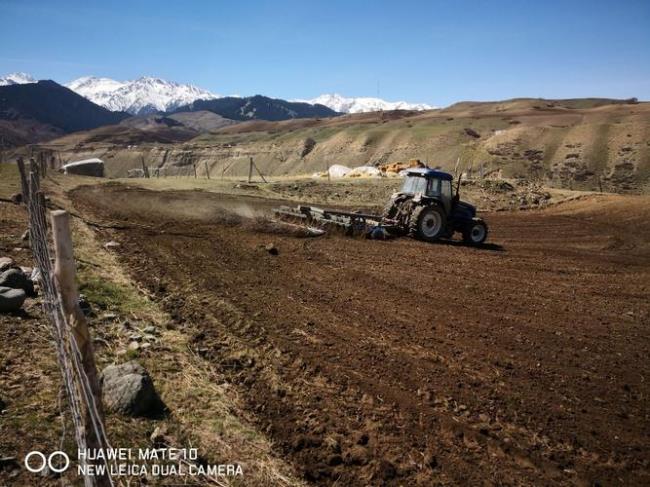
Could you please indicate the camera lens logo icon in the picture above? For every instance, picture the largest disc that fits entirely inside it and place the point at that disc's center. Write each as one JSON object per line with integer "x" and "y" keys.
{"x": 57, "y": 461}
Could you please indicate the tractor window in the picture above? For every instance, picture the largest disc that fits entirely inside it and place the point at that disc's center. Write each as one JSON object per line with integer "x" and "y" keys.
{"x": 446, "y": 189}
{"x": 434, "y": 187}
{"x": 414, "y": 184}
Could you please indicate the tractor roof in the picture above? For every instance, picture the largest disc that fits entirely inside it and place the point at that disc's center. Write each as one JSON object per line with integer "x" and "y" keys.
{"x": 429, "y": 173}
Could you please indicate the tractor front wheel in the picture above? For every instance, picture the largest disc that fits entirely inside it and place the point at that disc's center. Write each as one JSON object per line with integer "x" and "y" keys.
{"x": 427, "y": 223}
{"x": 476, "y": 233}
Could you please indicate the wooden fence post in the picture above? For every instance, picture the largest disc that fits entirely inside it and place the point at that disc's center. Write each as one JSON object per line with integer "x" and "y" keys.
{"x": 145, "y": 169}
{"x": 64, "y": 273}
{"x": 250, "y": 169}
{"x": 258, "y": 171}
{"x": 207, "y": 170}
{"x": 23, "y": 179}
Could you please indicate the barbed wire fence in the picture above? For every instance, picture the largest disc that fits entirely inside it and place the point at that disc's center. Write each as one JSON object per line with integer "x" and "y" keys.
{"x": 68, "y": 327}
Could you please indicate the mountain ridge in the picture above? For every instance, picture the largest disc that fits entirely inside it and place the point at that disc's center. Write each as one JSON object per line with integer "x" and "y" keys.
{"x": 50, "y": 103}
{"x": 258, "y": 107}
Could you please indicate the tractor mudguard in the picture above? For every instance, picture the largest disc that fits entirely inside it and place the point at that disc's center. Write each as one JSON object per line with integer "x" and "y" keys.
{"x": 463, "y": 212}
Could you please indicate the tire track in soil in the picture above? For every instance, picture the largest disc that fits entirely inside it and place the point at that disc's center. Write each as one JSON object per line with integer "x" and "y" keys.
{"x": 411, "y": 364}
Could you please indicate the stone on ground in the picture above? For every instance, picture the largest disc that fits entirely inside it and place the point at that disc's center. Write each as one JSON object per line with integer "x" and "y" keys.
{"x": 128, "y": 389}
{"x": 11, "y": 299}
{"x": 16, "y": 278}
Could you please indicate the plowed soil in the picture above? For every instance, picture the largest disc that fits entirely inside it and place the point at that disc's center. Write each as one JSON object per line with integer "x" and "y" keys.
{"x": 406, "y": 363}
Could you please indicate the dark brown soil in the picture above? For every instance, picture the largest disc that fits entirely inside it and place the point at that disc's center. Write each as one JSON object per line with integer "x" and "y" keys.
{"x": 405, "y": 363}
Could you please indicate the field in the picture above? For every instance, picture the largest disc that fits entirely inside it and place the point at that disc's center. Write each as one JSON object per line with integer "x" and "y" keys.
{"x": 408, "y": 363}
{"x": 355, "y": 362}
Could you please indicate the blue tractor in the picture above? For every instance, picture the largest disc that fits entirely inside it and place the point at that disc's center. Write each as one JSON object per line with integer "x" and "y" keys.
{"x": 427, "y": 208}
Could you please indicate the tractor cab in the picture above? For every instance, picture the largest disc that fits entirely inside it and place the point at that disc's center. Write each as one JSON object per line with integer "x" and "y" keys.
{"x": 430, "y": 183}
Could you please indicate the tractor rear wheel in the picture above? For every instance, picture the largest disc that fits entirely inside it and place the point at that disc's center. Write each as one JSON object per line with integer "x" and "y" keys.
{"x": 427, "y": 223}
{"x": 476, "y": 233}
{"x": 390, "y": 210}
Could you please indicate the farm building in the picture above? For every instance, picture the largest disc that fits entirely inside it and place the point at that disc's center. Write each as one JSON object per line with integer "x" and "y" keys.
{"x": 87, "y": 167}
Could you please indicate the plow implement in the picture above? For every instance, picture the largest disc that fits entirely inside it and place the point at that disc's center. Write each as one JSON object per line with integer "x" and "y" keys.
{"x": 351, "y": 223}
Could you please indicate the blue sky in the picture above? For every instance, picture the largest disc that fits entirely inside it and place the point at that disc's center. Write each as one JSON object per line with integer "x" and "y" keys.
{"x": 436, "y": 52}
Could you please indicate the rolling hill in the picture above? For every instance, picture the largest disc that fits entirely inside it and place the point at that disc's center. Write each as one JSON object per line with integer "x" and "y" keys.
{"x": 582, "y": 143}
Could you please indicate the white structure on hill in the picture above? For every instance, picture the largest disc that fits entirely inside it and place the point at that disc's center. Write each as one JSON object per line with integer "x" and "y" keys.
{"x": 87, "y": 167}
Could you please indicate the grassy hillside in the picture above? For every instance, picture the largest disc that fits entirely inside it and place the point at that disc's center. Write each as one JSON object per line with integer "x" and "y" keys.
{"x": 582, "y": 144}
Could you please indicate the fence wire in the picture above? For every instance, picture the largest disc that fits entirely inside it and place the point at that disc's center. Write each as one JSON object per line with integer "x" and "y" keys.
{"x": 84, "y": 412}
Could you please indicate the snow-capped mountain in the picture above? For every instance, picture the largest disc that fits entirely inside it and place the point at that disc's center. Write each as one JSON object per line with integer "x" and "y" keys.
{"x": 357, "y": 105}
{"x": 147, "y": 95}
{"x": 138, "y": 97}
{"x": 16, "y": 79}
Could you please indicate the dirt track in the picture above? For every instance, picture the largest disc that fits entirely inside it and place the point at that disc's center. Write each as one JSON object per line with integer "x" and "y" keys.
{"x": 407, "y": 363}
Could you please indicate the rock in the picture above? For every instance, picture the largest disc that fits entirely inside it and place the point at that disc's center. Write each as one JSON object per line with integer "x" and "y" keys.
{"x": 11, "y": 299}
{"x": 111, "y": 245}
{"x": 151, "y": 330}
{"x": 10, "y": 466}
{"x": 134, "y": 346}
{"x": 15, "y": 278}
{"x": 6, "y": 263}
{"x": 271, "y": 249}
{"x": 128, "y": 389}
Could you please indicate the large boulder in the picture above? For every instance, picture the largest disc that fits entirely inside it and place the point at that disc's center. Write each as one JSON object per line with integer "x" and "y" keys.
{"x": 16, "y": 278}
{"x": 128, "y": 389}
{"x": 11, "y": 299}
